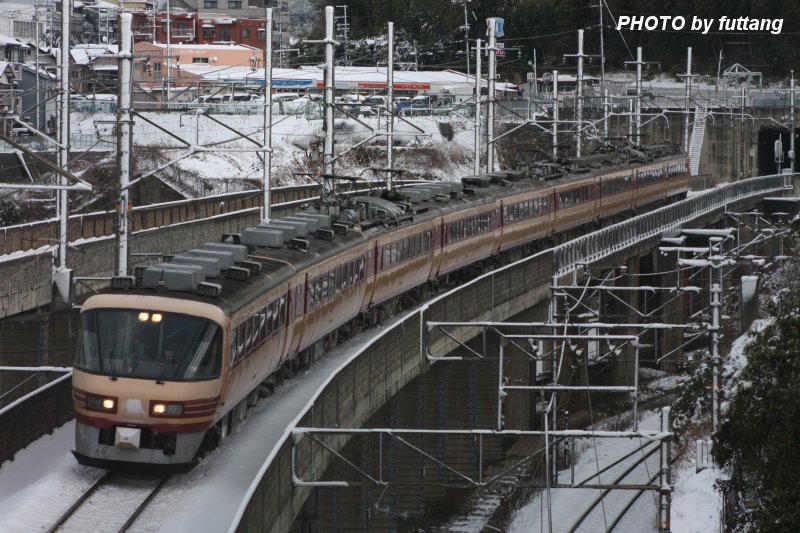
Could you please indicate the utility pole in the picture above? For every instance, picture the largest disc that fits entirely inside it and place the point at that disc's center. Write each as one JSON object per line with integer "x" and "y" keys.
{"x": 555, "y": 115}
{"x": 63, "y": 137}
{"x": 36, "y": 59}
{"x": 638, "y": 103}
{"x": 266, "y": 210}
{"x": 344, "y": 28}
{"x": 603, "y": 90}
{"x": 665, "y": 474}
{"x": 390, "y": 102}
{"x": 688, "y": 83}
{"x": 791, "y": 122}
{"x": 465, "y": 27}
{"x": 327, "y": 156}
{"x": 638, "y": 95}
{"x": 494, "y": 24}
{"x": 715, "y": 263}
{"x": 124, "y": 143}
{"x": 477, "y": 156}
{"x": 579, "y": 94}
{"x": 168, "y": 80}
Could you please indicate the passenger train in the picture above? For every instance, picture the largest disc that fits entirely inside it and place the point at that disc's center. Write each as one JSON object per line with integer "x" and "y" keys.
{"x": 167, "y": 360}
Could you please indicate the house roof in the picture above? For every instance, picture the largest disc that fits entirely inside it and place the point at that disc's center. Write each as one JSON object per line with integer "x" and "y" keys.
{"x": 5, "y": 40}
{"x": 360, "y": 78}
{"x": 209, "y": 47}
{"x": 6, "y": 66}
{"x": 83, "y": 54}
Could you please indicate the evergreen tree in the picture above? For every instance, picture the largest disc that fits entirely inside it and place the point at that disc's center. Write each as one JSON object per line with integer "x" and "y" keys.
{"x": 757, "y": 443}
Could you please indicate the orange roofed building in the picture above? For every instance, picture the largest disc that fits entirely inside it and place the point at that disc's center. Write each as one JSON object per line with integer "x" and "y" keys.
{"x": 151, "y": 67}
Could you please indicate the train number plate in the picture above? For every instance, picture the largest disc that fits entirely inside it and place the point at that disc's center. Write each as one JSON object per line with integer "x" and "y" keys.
{"x": 127, "y": 437}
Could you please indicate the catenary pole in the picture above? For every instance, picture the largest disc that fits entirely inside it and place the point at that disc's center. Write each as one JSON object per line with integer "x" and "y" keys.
{"x": 125, "y": 141}
{"x": 266, "y": 209}
{"x": 390, "y": 102}
{"x": 477, "y": 157}
{"x": 63, "y": 136}
{"x": 490, "y": 103}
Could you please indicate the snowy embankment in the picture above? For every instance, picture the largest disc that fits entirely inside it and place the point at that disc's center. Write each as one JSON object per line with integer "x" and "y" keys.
{"x": 696, "y": 504}
{"x": 420, "y": 148}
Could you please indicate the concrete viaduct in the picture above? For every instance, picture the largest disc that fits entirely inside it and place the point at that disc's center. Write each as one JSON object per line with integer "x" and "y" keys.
{"x": 372, "y": 378}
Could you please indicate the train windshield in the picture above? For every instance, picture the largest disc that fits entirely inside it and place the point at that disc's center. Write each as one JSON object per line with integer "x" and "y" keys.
{"x": 149, "y": 345}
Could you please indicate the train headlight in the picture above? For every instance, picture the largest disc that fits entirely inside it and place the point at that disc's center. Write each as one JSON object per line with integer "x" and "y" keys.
{"x": 104, "y": 404}
{"x": 165, "y": 409}
{"x": 144, "y": 317}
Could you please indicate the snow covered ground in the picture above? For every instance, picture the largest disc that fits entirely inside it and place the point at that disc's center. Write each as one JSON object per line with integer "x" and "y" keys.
{"x": 696, "y": 505}
{"x": 434, "y": 157}
{"x": 43, "y": 480}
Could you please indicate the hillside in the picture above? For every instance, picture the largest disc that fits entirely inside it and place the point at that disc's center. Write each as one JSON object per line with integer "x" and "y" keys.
{"x": 431, "y": 31}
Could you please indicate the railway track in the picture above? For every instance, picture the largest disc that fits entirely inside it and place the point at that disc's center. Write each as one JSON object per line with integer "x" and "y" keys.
{"x": 112, "y": 503}
{"x": 593, "y": 516}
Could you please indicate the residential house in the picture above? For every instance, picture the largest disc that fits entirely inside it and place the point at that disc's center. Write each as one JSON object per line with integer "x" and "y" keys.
{"x": 47, "y": 87}
{"x": 153, "y": 69}
{"x": 9, "y": 97}
{"x": 94, "y": 68}
{"x": 199, "y": 28}
{"x": 13, "y": 51}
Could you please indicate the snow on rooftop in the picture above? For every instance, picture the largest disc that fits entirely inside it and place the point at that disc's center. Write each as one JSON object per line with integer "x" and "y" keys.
{"x": 5, "y": 40}
{"x": 209, "y": 47}
{"x": 83, "y": 54}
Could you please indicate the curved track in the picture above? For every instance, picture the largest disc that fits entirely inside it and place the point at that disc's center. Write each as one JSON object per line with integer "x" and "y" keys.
{"x": 112, "y": 503}
{"x": 636, "y": 473}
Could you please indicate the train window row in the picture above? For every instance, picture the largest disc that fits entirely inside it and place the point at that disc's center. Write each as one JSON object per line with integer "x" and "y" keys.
{"x": 678, "y": 169}
{"x": 527, "y": 209}
{"x": 649, "y": 177}
{"x": 254, "y": 331}
{"x": 468, "y": 227}
{"x": 335, "y": 281}
{"x": 616, "y": 184}
{"x": 408, "y": 248}
{"x": 575, "y": 196}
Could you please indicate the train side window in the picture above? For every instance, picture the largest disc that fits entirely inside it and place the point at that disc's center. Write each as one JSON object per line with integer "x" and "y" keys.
{"x": 298, "y": 297}
{"x": 318, "y": 290}
{"x": 324, "y": 284}
{"x": 283, "y": 311}
{"x": 262, "y": 324}
{"x": 387, "y": 257}
{"x": 350, "y": 270}
{"x": 311, "y": 298}
{"x": 248, "y": 336}
{"x": 332, "y": 284}
{"x": 275, "y": 316}
{"x": 240, "y": 336}
{"x": 255, "y": 330}
{"x": 270, "y": 312}
{"x": 234, "y": 348}
{"x": 361, "y": 272}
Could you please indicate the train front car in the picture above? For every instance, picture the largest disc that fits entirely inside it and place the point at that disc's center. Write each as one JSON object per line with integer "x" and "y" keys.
{"x": 147, "y": 380}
